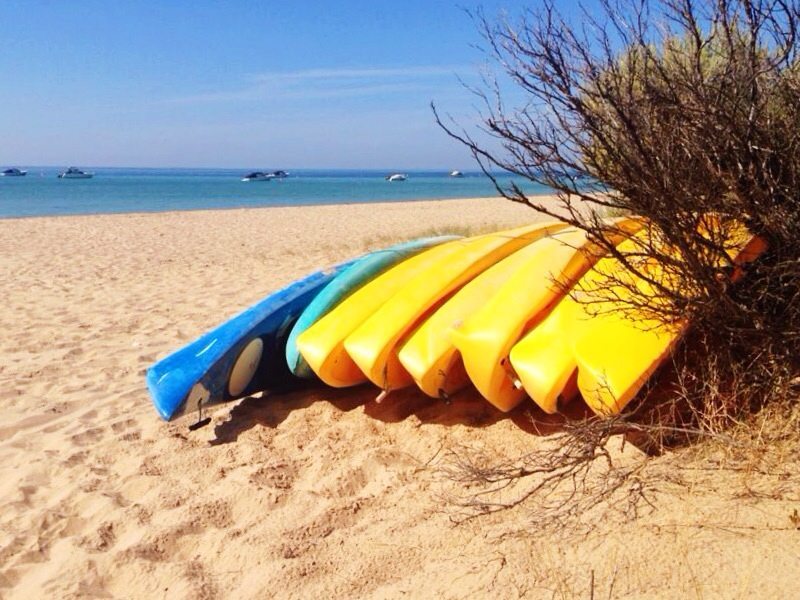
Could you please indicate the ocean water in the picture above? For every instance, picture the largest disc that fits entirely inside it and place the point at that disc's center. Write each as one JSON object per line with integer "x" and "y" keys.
{"x": 116, "y": 190}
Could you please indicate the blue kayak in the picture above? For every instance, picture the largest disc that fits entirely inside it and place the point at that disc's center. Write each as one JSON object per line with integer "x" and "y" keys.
{"x": 361, "y": 271}
{"x": 240, "y": 357}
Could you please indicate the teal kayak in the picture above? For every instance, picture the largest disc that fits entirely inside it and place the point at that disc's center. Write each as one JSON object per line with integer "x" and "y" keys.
{"x": 360, "y": 272}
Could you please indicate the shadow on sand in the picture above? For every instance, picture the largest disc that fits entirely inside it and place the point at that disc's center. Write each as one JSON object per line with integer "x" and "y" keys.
{"x": 466, "y": 408}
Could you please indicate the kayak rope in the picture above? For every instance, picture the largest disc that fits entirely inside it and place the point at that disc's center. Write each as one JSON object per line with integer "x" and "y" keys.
{"x": 444, "y": 396}
{"x": 511, "y": 373}
{"x": 201, "y": 422}
{"x": 386, "y": 389}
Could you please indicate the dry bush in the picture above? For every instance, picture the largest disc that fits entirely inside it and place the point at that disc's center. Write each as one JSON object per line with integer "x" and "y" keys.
{"x": 673, "y": 110}
{"x": 600, "y": 469}
{"x": 687, "y": 113}
{"x": 563, "y": 482}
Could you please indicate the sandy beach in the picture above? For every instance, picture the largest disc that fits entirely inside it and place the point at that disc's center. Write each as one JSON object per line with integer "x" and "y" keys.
{"x": 318, "y": 493}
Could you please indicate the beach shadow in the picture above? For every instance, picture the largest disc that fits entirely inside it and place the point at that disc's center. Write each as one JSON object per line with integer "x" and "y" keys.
{"x": 466, "y": 408}
{"x": 273, "y": 408}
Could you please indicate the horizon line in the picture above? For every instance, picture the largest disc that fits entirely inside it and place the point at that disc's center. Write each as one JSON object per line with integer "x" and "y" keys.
{"x": 207, "y": 168}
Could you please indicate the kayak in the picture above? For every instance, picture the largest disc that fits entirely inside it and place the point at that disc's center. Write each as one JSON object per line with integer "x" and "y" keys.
{"x": 240, "y": 357}
{"x": 343, "y": 285}
{"x": 374, "y": 345}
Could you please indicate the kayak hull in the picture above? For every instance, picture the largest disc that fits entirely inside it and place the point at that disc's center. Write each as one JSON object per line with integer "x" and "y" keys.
{"x": 375, "y": 344}
{"x": 343, "y": 285}
{"x": 240, "y": 357}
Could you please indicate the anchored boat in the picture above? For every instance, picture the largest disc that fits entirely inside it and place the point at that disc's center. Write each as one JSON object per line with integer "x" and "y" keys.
{"x": 75, "y": 173}
{"x": 13, "y": 173}
{"x": 258, "y": 176}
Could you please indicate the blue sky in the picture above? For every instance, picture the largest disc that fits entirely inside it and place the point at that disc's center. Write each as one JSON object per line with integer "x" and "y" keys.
{"x": 235, "y": 84}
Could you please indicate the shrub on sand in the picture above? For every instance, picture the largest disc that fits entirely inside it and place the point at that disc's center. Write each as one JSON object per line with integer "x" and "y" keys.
{"x": 673, "y": 110}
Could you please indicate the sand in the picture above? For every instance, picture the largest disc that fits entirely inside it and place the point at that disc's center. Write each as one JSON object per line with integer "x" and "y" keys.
{"x": 319, "y": 493}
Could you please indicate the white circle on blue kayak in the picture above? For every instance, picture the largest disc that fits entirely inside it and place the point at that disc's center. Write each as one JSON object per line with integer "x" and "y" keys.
{"x": 245, "y": 367}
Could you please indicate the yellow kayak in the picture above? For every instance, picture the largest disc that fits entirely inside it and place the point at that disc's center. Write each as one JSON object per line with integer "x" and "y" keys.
{"x": 322, "y": 344}
{"x": 542, "y": 361}
{"x": 373, "y": 346}
{"x": 429, "y": 354}
{"x": 615, "y": 355}
{"x": 487, "y": 336}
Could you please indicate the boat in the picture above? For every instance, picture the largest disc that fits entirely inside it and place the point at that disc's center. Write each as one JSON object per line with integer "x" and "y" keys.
{"x": 544, "y": 273}
{"x": 375, "y": 344}
{"x": 616, "y": 356}
{"x": 265, "y": 176}
{"x": 75, "y": 173}
{"x": 543, "y": 361}
{"x": 13, "y": 173}
{"x": 589, "y": 343}
{"x": 429, "y": 354}
{"x": 242, "y": 356}
{"x": 322, "y": 344}
{"x": 258, "y": 176}
{"x": 396, "y": 177}
{"x": 486, "y": 337}
{"x": 456, "y": 174}
{"x": 365, "y": 269}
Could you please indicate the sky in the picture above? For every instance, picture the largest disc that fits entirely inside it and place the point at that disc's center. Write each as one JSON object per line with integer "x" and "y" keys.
{"x": 213, "y": 83}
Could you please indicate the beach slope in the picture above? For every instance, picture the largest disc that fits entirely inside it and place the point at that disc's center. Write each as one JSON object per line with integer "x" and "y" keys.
{"x": 318, "y": 493}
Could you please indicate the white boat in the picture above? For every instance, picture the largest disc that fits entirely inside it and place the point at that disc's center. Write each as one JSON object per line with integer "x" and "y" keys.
{"x": 264, "y": 176}
{"x": 13, "y": 173}
{"x": 74, "y": 173}
{"x": 456, "y": 174}
{"x": 258, "y": 176}
{"x": 396, "y": 177}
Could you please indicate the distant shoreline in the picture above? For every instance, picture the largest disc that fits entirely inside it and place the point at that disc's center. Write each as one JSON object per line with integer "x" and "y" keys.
{"x": 122, "y": 191}
{"x": 375, "y": 203}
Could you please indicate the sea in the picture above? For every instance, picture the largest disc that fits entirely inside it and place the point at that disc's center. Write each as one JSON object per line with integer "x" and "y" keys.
{"x": 123, "y": 190}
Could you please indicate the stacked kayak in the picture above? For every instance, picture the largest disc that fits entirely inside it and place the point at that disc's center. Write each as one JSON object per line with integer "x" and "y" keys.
{"x": 360, "y": 338}
{"x": 248, "y": 353}
{"x": 517, "y": 313}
